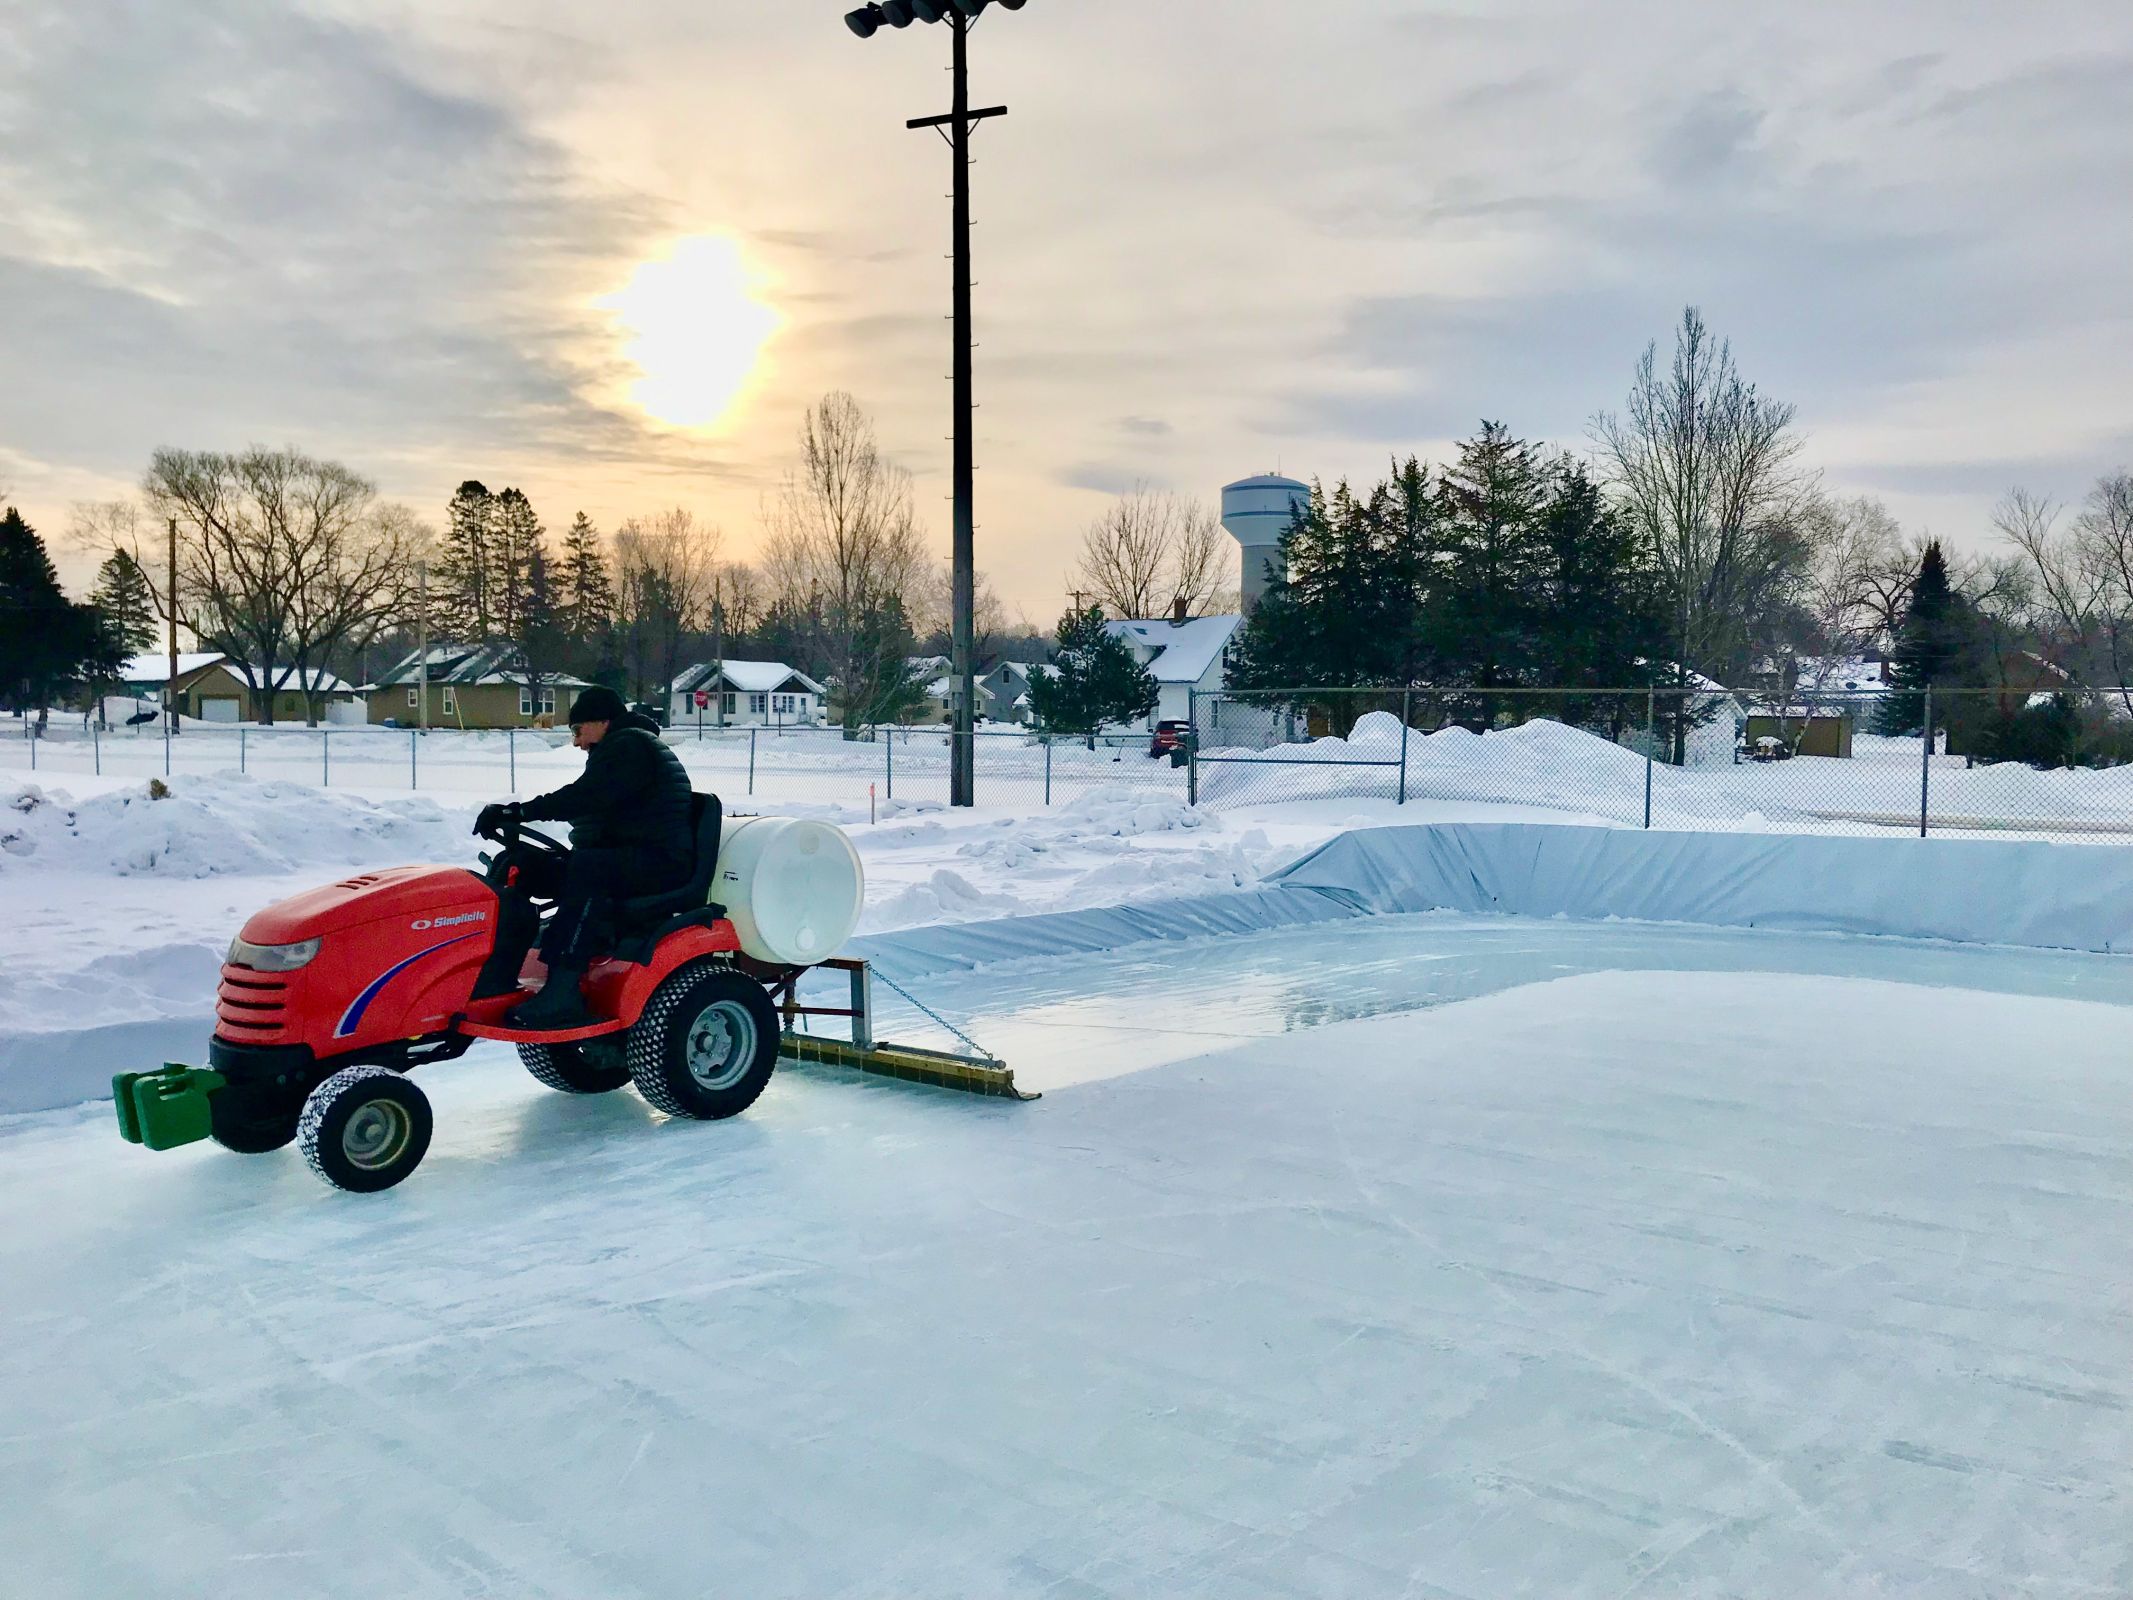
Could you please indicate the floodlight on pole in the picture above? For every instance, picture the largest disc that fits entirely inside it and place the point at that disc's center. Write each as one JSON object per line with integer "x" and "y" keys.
{"x": 955, "y": 127}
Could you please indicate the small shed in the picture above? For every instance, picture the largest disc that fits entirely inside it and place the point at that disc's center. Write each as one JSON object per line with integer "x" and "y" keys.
{"x": 1804, "y": 734}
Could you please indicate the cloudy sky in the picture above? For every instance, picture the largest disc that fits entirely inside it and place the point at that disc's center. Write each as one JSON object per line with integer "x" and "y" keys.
{"x": 609, "y": 252}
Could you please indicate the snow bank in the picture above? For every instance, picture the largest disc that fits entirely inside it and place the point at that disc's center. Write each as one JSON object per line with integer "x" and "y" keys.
{"x": 208, "y": 826}
{"x": 1539, "y": 763}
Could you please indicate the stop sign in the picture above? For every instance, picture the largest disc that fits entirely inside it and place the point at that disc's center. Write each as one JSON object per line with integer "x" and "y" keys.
{"x": 703, "y": 698}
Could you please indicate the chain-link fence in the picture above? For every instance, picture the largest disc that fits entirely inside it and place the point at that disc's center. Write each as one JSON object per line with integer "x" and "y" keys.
{"x": 2050, "y": 763}
{"x": 878, "y": 771}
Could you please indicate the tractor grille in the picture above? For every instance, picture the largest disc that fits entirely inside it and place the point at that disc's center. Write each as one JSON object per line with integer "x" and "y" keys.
{"x": 251, "y": 1007}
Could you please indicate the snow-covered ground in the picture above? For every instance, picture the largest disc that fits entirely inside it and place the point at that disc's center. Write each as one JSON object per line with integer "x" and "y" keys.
{"x": 1542, "y": 765}
{"x": 1627, "y": 1283}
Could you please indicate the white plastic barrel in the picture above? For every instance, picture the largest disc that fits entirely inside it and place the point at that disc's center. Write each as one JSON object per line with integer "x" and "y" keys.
{"x": 793, "y": 888}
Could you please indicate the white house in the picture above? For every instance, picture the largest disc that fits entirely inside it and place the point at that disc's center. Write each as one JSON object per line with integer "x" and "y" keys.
{"x": 746, "y": 694}
{"x": 941, "y": 697}
{"x": 1183, "y": 656}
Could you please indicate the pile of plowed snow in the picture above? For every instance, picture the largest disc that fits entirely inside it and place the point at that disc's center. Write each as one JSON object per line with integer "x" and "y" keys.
{"x": 204, "y": 827}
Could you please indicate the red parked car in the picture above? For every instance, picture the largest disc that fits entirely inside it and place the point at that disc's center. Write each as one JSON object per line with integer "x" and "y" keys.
{"x": 1168, "y": 738}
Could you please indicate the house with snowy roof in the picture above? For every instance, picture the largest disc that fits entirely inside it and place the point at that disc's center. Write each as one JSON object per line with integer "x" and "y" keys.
{"x": 746, "y": 694}
{"x": 1185, "y": 655}
{"x": 470, "y": 686}
{"x": 1007, "y": 685}
{"x": 213, "y": 687}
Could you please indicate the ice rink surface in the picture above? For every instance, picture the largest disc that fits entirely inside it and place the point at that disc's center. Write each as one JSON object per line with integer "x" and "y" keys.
{"x": 1643, "y": 1261}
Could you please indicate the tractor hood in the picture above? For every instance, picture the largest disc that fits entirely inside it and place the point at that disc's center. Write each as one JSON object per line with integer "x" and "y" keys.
{"x": 441, "y": 897}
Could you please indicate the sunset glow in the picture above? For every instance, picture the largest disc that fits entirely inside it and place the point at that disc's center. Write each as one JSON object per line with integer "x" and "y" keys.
{"x": 693, "y": 324}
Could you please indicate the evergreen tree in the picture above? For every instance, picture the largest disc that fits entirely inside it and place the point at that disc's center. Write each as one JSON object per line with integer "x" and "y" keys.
{"x": 460, "y": 598}
{"x": 1479, "y": 618}
{"x": 585, "y": 589}
{"x": 1347, "y": 606}
{"x": 1597, "y": 615}
{"x": 1938, "y": 645}
{"x": 46, "y": 641}
{"x": 125, "y": 605}
{"x": 1099, "y": 681}
{"x": 879, "y": 686}
{"x": 539, "y": 634}
{"x": 516, "y": 541}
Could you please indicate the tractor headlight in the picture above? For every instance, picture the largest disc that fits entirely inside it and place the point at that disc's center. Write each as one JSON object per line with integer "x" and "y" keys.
{"x": 271, "y": 957}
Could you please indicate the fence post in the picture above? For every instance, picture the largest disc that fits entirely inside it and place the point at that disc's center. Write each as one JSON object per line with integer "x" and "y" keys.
{"x": 1407, "y": 708}
{"x": 751, "y": 760}
{"x": 325, "y": 758}
{"x": 888, "y": 746}
{"x": 1651, "y": 744}
{"x": 29, "y": 728}
{"x": 414, "y": 738}
{"x": 1047, "y": 769}
{"x": 96, "y": 745}
{"x": 1925, "y": 766}
{"x": 1192, "y": 745}
{"x": 511, "y": 744}
{"x": 240, "y": 748}
{"x": 170, "y": 711}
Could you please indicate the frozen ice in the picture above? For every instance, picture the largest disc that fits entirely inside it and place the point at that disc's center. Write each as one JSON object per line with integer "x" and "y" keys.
{"x": 1646, "y": 1273}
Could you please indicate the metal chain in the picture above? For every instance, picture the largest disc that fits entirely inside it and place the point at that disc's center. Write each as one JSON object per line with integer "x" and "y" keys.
{"x": 974, "y": 1047}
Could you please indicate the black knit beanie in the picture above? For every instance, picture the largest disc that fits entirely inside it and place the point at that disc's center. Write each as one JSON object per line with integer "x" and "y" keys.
{"x": 596, "y": 705}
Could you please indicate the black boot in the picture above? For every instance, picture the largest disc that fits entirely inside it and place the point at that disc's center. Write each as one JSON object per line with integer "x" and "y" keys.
{"x": 559, "y": 1005}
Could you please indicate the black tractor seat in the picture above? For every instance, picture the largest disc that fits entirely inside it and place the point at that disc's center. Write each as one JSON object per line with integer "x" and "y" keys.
{"x": 641, "y": 923}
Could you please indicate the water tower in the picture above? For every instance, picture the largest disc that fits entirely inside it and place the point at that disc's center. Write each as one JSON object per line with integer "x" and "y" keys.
{"x": 1257, "y": 512}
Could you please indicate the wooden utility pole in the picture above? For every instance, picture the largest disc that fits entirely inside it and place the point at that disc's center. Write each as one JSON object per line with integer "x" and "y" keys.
{"x": 170, "y": 630}
{"x": 422, "y": 645}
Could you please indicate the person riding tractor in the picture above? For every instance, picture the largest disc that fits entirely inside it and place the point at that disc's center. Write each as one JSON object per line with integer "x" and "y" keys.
{"x": 630, "y": 836}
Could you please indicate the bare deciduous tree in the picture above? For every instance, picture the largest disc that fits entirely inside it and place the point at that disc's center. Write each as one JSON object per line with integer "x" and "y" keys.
{"x": 844, "y": 549}
{"x": 1707, "y": 468}
{"x": 2082, "y": 576}
{"x": 285, "y": 562}
{"x": 666, "y": 570}
{"x": 1151, "y": 550}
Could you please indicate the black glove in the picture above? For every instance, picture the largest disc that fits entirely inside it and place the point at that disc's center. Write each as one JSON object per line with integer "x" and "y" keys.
{"x": 493, "y": 818}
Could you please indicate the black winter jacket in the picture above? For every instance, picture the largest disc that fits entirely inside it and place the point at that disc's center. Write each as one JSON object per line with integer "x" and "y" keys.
{"x": 634, "y": 795}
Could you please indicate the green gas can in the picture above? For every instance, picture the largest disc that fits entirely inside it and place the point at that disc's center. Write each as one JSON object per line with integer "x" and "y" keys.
{"x": 165, "y": 1109}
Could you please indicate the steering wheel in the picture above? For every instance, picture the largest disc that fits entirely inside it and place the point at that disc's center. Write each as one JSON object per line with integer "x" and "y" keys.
{"x": 513, "y": 834}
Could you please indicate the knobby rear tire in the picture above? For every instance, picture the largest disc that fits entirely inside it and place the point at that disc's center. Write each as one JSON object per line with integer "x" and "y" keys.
{"x": 706, "y": 1044}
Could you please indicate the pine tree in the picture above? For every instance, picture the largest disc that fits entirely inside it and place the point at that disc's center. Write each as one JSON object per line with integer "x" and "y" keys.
{"x": 1597, "y": 615}
{"x": 878, "y": 686}
{"x": 46, "y": 641}
{"x": 1480, "y": 618}
{"x": 460, "y": 598}
{"x": 1938, "y": 645}
{"x": 1348, "y": 603}
{"x": 125, "y": 604}
{"x": 585, "y": 589}
{"x": 516, "y": 538}
{"x": 1099, "y": 682}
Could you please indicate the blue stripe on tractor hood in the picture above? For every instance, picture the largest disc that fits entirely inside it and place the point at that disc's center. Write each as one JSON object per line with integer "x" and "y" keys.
{"x": 352, "y": 1018}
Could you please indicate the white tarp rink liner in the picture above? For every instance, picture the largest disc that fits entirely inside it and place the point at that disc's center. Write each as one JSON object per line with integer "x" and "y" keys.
{"x": 2008, "y": 892}
{"x": 2054, "y": 897}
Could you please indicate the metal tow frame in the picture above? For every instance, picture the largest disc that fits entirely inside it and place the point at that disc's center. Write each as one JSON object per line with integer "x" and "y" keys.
{"x": 977, "y": 1073}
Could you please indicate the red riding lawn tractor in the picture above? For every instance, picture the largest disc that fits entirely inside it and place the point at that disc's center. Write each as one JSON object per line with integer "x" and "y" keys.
{"x": 329, "y": 998}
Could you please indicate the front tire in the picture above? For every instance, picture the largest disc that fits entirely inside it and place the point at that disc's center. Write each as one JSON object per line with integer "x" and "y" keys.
{"x": 238, "y": 1122}
{"x": 593, "y": 1066}
{"x": 706, "y": 1044}
{"x": 365, "y": 1129}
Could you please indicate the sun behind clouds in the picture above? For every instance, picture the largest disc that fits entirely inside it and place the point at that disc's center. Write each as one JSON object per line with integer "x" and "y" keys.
{"x": 693, "y": 324}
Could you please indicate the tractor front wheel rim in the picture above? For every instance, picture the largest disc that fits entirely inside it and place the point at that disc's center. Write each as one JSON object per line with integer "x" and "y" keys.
{"x": 721, "y": 1046}
{"x": 377, "y": 1135}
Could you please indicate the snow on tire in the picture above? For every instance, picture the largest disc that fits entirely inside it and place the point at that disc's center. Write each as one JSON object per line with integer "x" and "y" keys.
{"x": 706, "y": 1044}
{"x": 364, "y": 1129}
